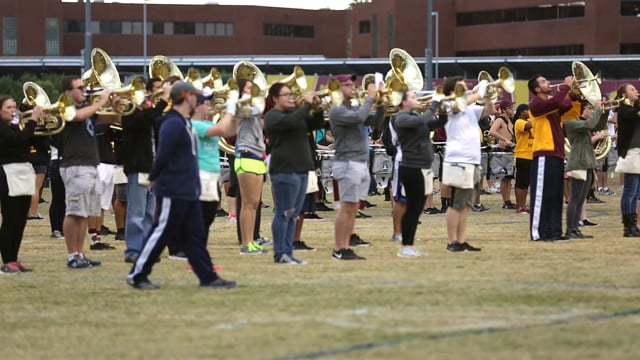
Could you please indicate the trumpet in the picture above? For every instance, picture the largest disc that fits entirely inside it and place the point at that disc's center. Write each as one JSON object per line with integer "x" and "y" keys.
{"x": 455, "y": 102}
{"x": 615, "y": 103}
{"x": 54, "y": 116}
{"x": 505, "y": 82}
{"x": 130, "y": 96}
{"x": 332, "y": 91}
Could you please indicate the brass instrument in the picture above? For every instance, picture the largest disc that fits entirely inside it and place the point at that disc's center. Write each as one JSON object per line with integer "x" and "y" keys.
{"x": 334, "y": 94}
{"x": 247, "y": 70}
{"x": 212, "y": 80}
{"x": 505, "y": 81}
{"x": 586, "y": 82}
{"x": 103, "y": 74}
{"x": 54, "y": 117}
{"x": 455, "y": 102}
{"x": 427, "y": 99}
{"x": 34, "y": 95}
{"x": 406, "y": 69}
{"x": 162, "y": 67}
{"x": 600, "y": 150}
{"x": 615, "y": 103}
{"x": 297, "y": 82}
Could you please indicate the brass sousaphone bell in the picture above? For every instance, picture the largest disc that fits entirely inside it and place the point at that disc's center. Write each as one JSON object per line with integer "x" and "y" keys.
{"x": 247, "y": 70}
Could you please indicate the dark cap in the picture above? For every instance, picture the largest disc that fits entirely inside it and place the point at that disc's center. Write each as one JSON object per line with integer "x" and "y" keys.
{"x": 505, "y": 103}
{"x": 343, "y": 78}
{"x": 180, "y": 89}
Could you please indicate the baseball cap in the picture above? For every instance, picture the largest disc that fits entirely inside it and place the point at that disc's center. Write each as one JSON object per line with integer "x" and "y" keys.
{"x": 505, "y": 103}
{"x": 180, "y": 89}
{"x": 343, "y": 78}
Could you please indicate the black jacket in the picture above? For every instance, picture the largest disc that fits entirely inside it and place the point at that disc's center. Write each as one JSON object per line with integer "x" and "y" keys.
{"x": 138, "y": 135}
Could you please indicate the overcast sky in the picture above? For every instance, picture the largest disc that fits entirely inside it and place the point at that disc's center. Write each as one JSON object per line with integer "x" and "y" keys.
{"x": 303, "y": 4}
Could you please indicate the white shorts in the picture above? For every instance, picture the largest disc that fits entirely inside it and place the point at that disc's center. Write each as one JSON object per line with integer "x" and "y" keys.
{"x": 105, "y": 175}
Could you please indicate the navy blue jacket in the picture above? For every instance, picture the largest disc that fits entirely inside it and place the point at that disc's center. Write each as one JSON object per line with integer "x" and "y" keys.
{"x": 175, "y": 170}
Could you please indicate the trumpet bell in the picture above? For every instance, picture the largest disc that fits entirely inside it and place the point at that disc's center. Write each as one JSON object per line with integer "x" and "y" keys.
{"x": 507, "y": 81}
{"x": 588, "y": 83}
{"x": 406, "y": 69}
{"x": 34, "y": 94}
{"x": 214, "y": 79}
{"x": 162, "y": 67}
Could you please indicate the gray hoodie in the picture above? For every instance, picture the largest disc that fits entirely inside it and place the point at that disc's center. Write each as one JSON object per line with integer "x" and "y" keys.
{"x": 348, "y": 126}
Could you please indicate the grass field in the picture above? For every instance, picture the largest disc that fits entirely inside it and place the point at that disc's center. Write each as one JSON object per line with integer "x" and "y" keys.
{"x": 514, "y": 300}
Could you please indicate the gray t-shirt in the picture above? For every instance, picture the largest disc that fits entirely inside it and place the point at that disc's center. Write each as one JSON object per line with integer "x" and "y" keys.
{"x": 250, "y": 136}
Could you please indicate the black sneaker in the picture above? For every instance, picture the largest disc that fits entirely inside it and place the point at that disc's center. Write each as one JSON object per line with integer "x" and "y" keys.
{"x": 220, "y": 283}
{"x": 594, "y": 200}
{"x": 78, "y": 263}
{"x": 221, "y": 213}
{"x": 142, "y": 285}
{"x": 509, "y": 205}
{"x": 367, "y": 204}
{"x": 586, "y": 222}
{"x": 91, "y": 262}
{"x": 456, "y": 247}
{"x": 106, "y": 231}
{"x": 101, "y": 246}
{"x": 479, "y": 208}
{"x": 299, "y": 245}
{"x": 361, "y": 215}
{"x": 180, "y": 255}
{"x": 431, "y": 211}
{"x": 355, "y": 240}
{"x": 470, "y": 248}
{"x": 320, "y": 206}
{"x": 346, "y": 254}
{"x": 120, "y": 235}
{"x": 312, "y": 216}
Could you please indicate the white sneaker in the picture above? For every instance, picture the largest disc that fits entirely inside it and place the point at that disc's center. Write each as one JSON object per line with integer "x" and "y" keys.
{"x": 396, "y": 237}
{"x": 409, "y": 251}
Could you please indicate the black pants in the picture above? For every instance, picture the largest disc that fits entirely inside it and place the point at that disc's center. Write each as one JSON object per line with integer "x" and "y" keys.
{"x": 14, "y": 218}
{"x": 413, "y": 183}
{"x": 57, "y": 206}
{"x": 208, "y": 215}
{"x": 579, "y": 190}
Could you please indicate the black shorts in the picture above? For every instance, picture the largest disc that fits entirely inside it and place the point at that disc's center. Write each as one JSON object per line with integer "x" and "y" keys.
{"x": 523, "y": 173}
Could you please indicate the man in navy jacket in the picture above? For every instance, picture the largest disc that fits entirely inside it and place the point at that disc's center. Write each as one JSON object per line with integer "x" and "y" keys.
{"x": 175, "y": 182}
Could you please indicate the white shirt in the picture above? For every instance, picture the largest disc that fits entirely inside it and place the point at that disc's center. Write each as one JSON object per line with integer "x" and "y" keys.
{"x": 463, "y": 136}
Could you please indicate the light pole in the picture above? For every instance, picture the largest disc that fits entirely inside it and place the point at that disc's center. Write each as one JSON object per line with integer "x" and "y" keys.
{"x": 87, "y": 36}
{"x": 144, "y": 38}
{"x": 435, "y": 13}
{"x": 428, "y": 63}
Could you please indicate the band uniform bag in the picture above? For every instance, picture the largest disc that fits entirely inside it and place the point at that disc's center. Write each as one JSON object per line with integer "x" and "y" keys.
{"x": 427, "y": 175}
{"x": 209, "y": 186}
{"x": 21, "y": 179}
{"x": 458, "y": 175}
{"x": 312, "y": 182}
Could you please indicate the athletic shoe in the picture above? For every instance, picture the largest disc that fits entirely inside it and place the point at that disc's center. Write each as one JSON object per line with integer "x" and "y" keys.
{"x": 431, "y": 211}
{"x": 346, "y": 254}
{"x": 355, "y": 240}
{"x": 91, "y": 262}
{"x": 252, "y": 249}
{"x": 299, "y": 245}
{"x": 10, "y": 268}
{"x": 320, "y": 206}
{"x": 456, "y": 247}
{"x": 78, "y": 263}
{"x": 106, "y": 231}
{"x": 522, "y": 211}
{"x": 479, "y": 208}
{"x": 263, "y": 241}
{"x": 214, "y": 267}
{"x": 289, "y": 260}
{"x": 409, "y": 252}
{"x": 142, "y": 285}
{"x": 56, "y": 234}
{"x": 470, "y": 248}
{"x": 361, "y": 215}
{"x": 221, "y": 213}
{"x": 312, "y": 216}
{"x": 120, "y": 235}
{"x": 101, "y": 246}
{"x": 509, "y": 205}
{"x": 594, "y": 200}
{"x": 605, "y": 191}
{"x": 180, "y": 255}
{"x": 22, "y": 267}
{"x": 396, "y": 237}
{"x": 232, "y": 219}
{"x": 367, "y": 204}
{"x": 220, "y": 283}
{"x": 35, "y": 217}
{"x": 586, "y": 222}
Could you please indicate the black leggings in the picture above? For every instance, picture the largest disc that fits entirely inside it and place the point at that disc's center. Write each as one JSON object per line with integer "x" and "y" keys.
{"x": 14, "y": 219}
{"x": 578, "y": 193}
{"x": 57, "y": 207}
{"x": 413, "y": 183}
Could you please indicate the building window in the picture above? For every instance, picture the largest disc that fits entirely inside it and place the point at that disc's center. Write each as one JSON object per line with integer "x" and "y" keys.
{"x": 184, "y": 28}
{"x": 110, "y": 27}
{"x": 630, "y": 49}
{"x": 575, "y": 49}
{"x": 136, "y": 27}
{"x": 629, "y": 8}
{"x": 157, "y": 28}
{"x": 9, "y": 36}
{"x": 229, "y": 29}
{"x": 52, "y": 37}
{"x": 285, "y": 30}
{"x": 364, "y": 26}
{"x": 533, "y": 13}
{"x": 74, "y": 26}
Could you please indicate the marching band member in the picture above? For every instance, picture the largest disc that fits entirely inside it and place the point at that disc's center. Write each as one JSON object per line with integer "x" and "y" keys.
{"x": 78, "y": 169}
{"x": 350, "y": 167}
{"x": 138, "y": 148}
{"x": 291, "y": 160}
{"x": 250, "y": 168}
{"x": 548, "y": 157}
{"x": 523, "y": 154}
{"x": 629, "y": 161}
{"x": 463, "y": 152}
{"x": 502, "y": 130}
{"x": 413, "y": 132}
{"x": 14, "y": 148}
{"x": 581, "y": 162}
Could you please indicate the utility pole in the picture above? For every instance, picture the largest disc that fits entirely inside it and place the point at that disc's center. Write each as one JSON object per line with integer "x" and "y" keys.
{"x": 87, "y": 36}
{"x": 428, "y": 64}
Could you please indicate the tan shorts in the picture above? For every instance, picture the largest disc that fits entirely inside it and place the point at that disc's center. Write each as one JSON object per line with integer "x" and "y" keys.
{"x": 463, "y": 198}
{"x": 82, "y": 190}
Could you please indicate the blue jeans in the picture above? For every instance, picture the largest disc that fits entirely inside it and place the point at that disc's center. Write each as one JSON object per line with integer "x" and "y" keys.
{"x": 140, "y": 208}
{"x": 630, "y": 194}
{"x": 288, "y": 193}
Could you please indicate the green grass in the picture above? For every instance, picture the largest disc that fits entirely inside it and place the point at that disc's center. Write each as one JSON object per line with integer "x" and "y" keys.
{"x": 514, "y": 300}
